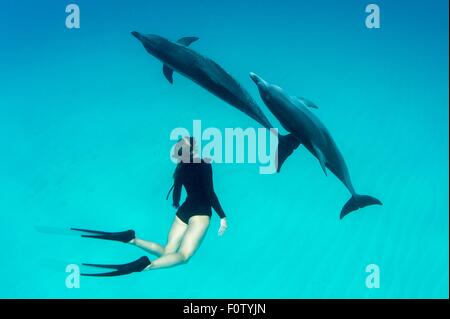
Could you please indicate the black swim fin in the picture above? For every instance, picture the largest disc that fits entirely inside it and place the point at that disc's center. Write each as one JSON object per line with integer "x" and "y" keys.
{"x": 124, "y": 269}
{"x": 123, "y": 236}
{"x": 286, "y": 145}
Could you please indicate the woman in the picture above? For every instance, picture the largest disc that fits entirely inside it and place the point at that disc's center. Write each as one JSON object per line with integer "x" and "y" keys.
{"x": 191, "y": 221}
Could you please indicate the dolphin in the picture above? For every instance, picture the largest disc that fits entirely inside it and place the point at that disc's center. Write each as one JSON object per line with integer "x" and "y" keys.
{"x": 176, "y": 56}
{"x": 295, "y": 116}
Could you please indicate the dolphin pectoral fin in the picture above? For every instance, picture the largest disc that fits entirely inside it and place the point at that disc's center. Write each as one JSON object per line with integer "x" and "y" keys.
{"x": 168, "y": 73}
{"x": 286, "y": 145}
{"x": 321, "y": 159}
{"x": 186, "y": 41}
{"x": 304, "y": 102}
{"x": 323, "y": 168}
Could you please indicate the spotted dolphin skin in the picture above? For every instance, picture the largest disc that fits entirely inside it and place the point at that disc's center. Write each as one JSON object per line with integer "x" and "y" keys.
{"x": 177, "y": 56}
{"x": 295, "y": 116}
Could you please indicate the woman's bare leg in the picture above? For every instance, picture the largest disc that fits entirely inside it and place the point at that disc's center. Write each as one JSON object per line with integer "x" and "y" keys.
{"x": 196, "y": 230}
{"x": 176, "y": 233}
{"x": 148, "y": 246}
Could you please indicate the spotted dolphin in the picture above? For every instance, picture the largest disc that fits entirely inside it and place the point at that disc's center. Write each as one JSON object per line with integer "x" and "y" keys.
{"x": 295, "y": 116}
{"x": 177, "y": 56}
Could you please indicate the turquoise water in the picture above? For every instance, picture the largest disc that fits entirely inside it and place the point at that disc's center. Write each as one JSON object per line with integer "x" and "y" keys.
{"x": 85, "y": 118}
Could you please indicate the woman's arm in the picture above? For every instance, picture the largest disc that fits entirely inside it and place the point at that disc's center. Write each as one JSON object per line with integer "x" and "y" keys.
{"x": 215, "y": 201}
{"x": 176, "y": 195}
{"x": 212, "y": 194}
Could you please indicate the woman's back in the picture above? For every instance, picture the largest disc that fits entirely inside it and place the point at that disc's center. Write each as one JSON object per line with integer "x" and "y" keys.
{"x": 198, "y": 182}
{"x": 196, "y": 179}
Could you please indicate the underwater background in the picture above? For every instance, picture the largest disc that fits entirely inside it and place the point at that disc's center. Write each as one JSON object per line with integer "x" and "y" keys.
{"x": 85, "y": 118}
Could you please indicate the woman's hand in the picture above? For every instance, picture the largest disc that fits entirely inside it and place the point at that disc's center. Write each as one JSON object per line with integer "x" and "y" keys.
{"x": 223, "y": 226}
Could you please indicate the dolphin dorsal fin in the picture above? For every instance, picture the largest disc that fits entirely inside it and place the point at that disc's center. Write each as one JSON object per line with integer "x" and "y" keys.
{"x": 304, "y": 102}
{"x": 321, "y": 159}
{"x": 168, "y": 73}
{"x": 186, "y": 41}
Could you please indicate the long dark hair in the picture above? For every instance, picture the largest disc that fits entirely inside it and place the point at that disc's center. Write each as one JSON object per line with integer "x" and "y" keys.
{"x": 182, "y": 142}
{"x": 179, "y": 153}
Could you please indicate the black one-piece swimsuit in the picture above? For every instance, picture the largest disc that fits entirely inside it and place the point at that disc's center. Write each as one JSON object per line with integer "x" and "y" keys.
{"x": 197, "y": 180}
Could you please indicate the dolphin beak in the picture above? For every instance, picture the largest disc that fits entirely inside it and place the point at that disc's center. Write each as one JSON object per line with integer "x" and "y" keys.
{"x": 137, "y": 35}
{"x": 255, "y": 78}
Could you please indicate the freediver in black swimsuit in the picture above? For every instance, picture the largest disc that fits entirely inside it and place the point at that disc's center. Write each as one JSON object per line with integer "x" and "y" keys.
{"x": 189, "y": 226}
{"x": 197, "y": 180}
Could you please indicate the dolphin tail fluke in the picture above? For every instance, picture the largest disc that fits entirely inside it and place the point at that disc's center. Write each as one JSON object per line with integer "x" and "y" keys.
{"x": 357, "y": 202}
{"x": 286, "y": 145}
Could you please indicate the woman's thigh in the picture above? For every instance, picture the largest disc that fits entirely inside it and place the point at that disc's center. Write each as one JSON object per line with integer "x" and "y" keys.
{"x": 176, "y": 233}
{"x": 198, "y": 225}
